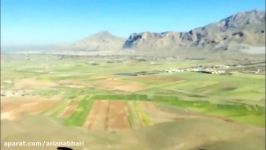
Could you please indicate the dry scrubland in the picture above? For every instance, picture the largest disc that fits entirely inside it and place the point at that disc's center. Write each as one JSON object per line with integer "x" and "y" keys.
{"x": 107, "y": 103}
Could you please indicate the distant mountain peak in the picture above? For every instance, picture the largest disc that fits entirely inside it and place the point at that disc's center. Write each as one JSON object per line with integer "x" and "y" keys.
{"x": 103, "y": 33}
{"x": 244, "y": 18}
{"x": 103, "y": 40}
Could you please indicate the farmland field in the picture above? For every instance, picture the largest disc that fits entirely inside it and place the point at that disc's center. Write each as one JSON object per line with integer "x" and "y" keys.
{"x": 120, "y": 102}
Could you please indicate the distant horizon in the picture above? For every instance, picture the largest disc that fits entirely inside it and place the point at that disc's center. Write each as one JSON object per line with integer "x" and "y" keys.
{"x": 47, "y": 22}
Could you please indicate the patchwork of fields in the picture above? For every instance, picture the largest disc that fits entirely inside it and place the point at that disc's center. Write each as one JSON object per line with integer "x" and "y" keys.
{"x": 96, "y": 95}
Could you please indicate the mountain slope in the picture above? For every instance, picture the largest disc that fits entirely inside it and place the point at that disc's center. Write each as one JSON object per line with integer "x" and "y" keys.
{"x": 242, "y": 30}
{"x": 99, "y": 41}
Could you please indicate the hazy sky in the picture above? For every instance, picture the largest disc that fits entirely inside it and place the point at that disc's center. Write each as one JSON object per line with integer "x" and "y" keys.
{"x": 33, "y": 22}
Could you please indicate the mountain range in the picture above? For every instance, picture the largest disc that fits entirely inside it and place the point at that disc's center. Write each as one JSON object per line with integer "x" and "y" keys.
{"x": 242, "y": 30}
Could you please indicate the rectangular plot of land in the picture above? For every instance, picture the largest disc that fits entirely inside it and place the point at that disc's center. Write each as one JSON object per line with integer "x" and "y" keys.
{"x": 108, "y": 116}
{"x": 117, "y": 116}
{"x": 96, "y": 119}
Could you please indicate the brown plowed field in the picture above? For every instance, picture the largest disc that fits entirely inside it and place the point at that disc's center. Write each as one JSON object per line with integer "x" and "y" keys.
{"x": 15, "y": 108}
{"x": 108, "y": 116}
{"x": 116, "y": 84}
{"x": 117, "y": 116}
{"x": 97, "y": 117}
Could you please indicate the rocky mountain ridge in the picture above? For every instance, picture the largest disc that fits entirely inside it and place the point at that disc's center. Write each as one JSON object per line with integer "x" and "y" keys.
{"x": 234, "y": 32}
